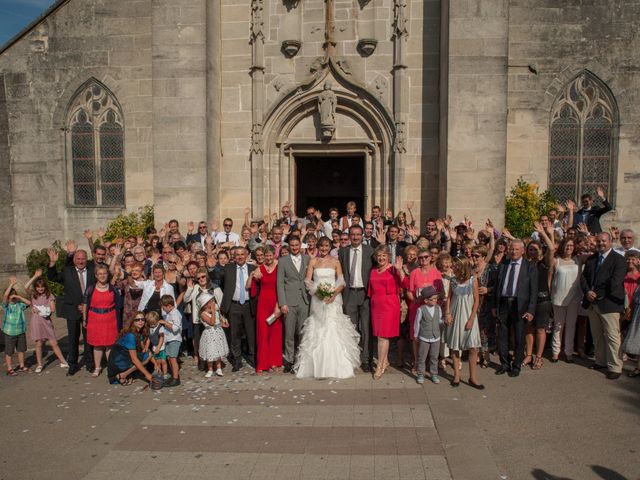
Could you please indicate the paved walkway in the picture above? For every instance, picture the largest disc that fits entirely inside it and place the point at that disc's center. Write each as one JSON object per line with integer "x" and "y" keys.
{"x": 563, "y": 422}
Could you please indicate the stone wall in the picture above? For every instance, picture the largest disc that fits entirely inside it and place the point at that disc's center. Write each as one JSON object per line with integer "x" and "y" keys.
{"x": 106, "y": 39}
{"x": 7, "y": 239}
{"x": 560, "y": 39}
{"x": 476, "y": 75}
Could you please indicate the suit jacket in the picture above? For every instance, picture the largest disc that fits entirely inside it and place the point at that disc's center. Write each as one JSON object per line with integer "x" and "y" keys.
{"x": 373, "y": 242}
{"x": 290, "y": 283}
{"x": 73, "y": 296}
{"x": 607, "y": 283}
{"x": 526, "y": 290}
{"x": 592, "y": 217}
{"x": 195, "y": 237}
{"x": 344, "y": 255}
{"x": 400, "y": 246}
{"x": 228, "y": 285}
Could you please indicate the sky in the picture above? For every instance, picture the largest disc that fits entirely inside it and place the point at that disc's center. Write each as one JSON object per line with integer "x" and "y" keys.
{"x": 17, "y": 14}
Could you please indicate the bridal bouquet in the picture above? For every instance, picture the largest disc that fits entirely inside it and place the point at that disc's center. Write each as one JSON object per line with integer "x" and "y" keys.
{"x": 325, "y": 290}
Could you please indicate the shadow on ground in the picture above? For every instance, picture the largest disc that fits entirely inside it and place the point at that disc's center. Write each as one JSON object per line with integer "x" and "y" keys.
{"x": 602, "y": 472}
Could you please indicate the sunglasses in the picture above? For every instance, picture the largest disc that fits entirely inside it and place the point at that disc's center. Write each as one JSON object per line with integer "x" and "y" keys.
{"x": 424, "y": 257}
{"x": 172, "y": 263}
{"x": 475, "y": 255}
{"x": 139, "y": 319}
{"x": 202, "y": 226}
{"x": 228, "y": 225}
{"x": 202, "y": 277}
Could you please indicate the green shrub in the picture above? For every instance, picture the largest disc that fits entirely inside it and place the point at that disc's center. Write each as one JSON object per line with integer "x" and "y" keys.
{"x": 127, "y": 224}
{"x": 524, "y": 205}
{"x": 40, "y": 259}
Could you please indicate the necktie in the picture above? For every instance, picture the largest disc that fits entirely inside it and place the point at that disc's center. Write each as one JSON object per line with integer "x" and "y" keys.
{"x": 242, "y": 286}
{"x": 227, "y": 240}
{"x": 598, "y": 265}
{"x": 352, "y": 270}
{"x": 392, "y": 248}
{"x": 510, "y": 280}
{"x": 81, "y": 278}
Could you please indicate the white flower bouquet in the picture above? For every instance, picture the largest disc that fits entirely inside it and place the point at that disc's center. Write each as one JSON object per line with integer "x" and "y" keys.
{"x": 325, "y": 290}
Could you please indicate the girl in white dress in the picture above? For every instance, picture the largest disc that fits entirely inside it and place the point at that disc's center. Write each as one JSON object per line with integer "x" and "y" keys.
{"x": 329, "y": 346}
{"x": 462, "y": 331}
{"x": 213, "y": 343}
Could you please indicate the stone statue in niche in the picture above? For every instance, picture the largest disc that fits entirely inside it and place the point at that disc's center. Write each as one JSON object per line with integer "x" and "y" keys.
{"x": 399, "y": 18}
{"x": 327, "y": 102}
{"x": 380, "y": 88}
{"x": 257, "y": 21}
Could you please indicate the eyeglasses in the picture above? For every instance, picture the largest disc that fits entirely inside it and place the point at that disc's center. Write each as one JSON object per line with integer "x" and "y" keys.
{"x": 475, "y": 255}
{"x": 228, "y": 225}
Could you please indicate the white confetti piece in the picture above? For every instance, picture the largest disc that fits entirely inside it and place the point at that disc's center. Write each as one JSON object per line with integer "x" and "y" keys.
{"x": 25, "y": 430}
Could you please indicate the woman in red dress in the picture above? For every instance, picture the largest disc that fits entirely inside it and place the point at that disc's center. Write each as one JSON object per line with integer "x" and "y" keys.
{"x": 262, "y": 283}
{"x": 102, "y": 302}
{"x": 385, "y": 283}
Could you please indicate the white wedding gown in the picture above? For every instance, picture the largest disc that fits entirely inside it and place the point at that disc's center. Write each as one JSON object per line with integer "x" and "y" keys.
{"x": 329, "y": 346}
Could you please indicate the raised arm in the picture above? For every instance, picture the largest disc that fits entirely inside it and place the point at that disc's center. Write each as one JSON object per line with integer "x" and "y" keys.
{"x": 37, "y": 274}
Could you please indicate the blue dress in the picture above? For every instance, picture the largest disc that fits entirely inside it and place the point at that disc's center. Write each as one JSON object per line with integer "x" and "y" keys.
{"x": 120, "y": 359}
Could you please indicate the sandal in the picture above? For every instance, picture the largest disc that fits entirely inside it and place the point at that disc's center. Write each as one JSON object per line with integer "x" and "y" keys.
{"x": 12, "y": 373}
{"x": 484, "y": 363}
{"x": 96, "y": 373}
{"x": 38, "y": 369}
{"x": 537, "y": 364}
{"x": 634, "y": 373}
{"x": 525, "y": 363}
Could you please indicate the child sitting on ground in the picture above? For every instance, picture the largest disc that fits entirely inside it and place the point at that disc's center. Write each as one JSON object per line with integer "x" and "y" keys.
{"x": 426, "y": 330}
{"x": 157, "y": 344}
{"x": 14, "y": 327}
{"x": 172, "y": 321}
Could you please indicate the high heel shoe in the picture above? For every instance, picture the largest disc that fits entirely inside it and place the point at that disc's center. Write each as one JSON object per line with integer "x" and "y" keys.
{"x": 379, "y": 373}
{"x": 96, "y": 373}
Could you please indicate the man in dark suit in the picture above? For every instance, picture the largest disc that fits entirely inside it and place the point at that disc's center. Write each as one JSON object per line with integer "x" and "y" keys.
{"x": 369, "y": 237}
{"x": 514, "y": 301}
{"x": 293, "y": 297}
{"x": 200, "y": 236}
{"x": 356, "y": 261}
{"x": 396, "y": 247}
{"x": 76, "y": 277}
{"x": 590, "y": 214}
{"x": 236, "y": 306}
{"x": 602, "y": 282}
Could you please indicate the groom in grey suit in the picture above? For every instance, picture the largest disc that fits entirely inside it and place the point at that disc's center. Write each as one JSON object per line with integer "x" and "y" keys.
{"x": 292, "y": 297}
{"x": 356, "y": 261}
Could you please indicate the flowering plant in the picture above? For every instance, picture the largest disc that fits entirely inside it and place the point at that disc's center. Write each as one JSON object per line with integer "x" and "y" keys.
{"x": 325, "y": 290}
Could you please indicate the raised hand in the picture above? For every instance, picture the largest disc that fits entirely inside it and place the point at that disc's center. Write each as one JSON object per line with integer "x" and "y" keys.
{"x": 582, "y": 227}
{"x": 537, "y": 226}
{"x": 507, "y": 234}
{"x": 190, "y": 227}
{"x": 571, "y": 206}
{"x": 88, "y": 234}
{"x": 13, "y": 280}
{"x": 615, "y": 232}
{"x": 287, "y": 203}
{"x": 439, "y": 224}
{"x": 100, "y": 232}
{"x": 398, "y": 262}
{"x": 600, "y": 192}
{"x": 247, "y": 210}
{"x": 560, "y": 208}
{"x": 53, "y": 255}
{"x": 214, "y": 226}
{"x": 388, "y": 214}
{"x": 448, "y": 220}
{"x": 70, "y": 246}
{"x": 37, "y": 273}
{"x": 409, "y": 205}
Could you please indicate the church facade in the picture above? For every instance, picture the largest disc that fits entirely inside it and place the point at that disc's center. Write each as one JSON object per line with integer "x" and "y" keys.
{"x": 205, "y": 107}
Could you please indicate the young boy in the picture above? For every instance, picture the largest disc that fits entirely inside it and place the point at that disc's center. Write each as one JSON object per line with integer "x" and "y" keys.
{"x": 172, "y": 322}
{"x": 156, "y": 339}
{"x": 427, "y": 330}
{"x": 14, "y": 327}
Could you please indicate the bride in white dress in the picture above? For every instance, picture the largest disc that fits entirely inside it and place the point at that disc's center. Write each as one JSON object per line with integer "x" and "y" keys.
{"x": 329, "y": 347}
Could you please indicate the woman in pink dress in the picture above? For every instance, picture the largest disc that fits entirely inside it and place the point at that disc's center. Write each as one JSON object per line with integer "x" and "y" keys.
{"x": 426, "y": 274}
{"x": 102, "y": 303}
{"x": 385, "y": 284}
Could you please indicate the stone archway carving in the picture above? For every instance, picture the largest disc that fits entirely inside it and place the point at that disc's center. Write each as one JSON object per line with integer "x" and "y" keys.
{"x": 273, "y": 163}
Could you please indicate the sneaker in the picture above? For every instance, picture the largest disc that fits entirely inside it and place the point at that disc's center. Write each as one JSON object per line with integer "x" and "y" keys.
{"x": 209, "y": 374}
{"x": 219, "y": 372}
{"x": 173, "y": 382}
{"x": 167, "y": 376}
{"x": 39, "y": 369}
{"x": 420, "y": 379}
{"x": 435, "y": 379}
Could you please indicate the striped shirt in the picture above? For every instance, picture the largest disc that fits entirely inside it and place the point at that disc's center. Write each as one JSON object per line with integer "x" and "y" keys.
{"x": 14, "y": 322}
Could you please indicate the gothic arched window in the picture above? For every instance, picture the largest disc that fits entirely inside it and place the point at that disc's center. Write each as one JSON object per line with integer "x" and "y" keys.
{"x": 582, "y": 137}
{"x": 96, "y": 143}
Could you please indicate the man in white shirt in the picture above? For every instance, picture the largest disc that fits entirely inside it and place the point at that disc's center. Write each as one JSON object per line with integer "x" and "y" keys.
{"x": 627, "y": 239}
{"x": 333, "y": 216}
{"x": 227, "y": 237}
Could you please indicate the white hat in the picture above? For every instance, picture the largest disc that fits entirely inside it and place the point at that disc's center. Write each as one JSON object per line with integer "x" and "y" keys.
{"x": 203, "y": 299}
